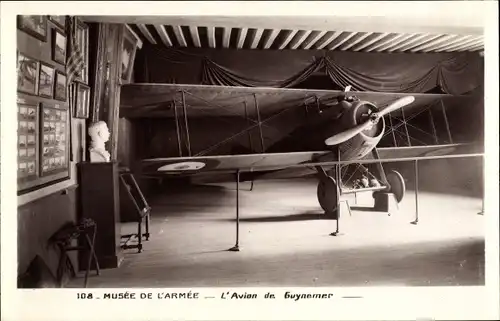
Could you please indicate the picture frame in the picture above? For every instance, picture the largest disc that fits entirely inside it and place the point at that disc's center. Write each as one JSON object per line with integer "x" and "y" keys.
{"x": 81, "y": 101}
{"x": 34, "y": 25}
{"x": 127, "y": 56}
{"x": 28, "y": 73}
{"x": 59, "y": 21}
{"x": 27, "y": 138}
{"x": 60, "y": 88}
{"x": 41, "y": 123}
{"x": 82, "y": 38}
{"x": 54, "y": 141}
{"x": 59, "y": 42}
{"x": 46, "y": 80}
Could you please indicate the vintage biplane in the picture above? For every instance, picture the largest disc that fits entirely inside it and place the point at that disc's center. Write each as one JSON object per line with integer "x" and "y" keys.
{"x": 338, "y": 129}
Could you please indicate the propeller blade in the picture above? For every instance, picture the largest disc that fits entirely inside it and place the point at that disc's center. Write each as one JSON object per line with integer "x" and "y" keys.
{"x": 400, "y": 103}
{"x": 348, "y": 134}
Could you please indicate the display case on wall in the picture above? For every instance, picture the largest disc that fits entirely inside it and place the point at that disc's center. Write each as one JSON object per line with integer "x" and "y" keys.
{"x": 44, "y": 112}
{"x": 43, "y": 143}
{"x": 54, "y": 142}
{"x": 27, "y": 138}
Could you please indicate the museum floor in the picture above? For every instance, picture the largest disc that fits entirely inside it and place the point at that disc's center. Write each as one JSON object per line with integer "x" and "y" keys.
{"x": 285, "y": 241}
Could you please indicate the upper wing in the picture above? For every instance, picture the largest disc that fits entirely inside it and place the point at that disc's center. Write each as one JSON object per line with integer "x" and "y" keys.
{"x": 155, "y": 100}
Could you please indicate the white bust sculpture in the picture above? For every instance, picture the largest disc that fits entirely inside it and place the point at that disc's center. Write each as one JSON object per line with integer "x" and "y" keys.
{"x": 99, "y": 133}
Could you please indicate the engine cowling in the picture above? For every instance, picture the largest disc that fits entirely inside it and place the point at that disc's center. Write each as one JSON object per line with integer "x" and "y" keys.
{"x": 361, "y": 144}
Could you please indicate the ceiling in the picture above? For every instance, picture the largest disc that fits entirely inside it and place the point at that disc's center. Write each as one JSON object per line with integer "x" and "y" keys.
{"x": 364, "y": 34}
{"x": 255, "y": 38}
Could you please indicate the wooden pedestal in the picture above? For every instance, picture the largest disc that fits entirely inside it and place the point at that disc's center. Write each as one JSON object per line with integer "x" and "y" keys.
{"x": 385, "y": 202}
{"x": 100, "y": 201}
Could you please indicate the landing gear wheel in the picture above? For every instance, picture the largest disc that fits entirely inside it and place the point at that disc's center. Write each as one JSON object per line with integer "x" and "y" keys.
{"x": 397, "y": 183}
{"x": 328, "y": 194}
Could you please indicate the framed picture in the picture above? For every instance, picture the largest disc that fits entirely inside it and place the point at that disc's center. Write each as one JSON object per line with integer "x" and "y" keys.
{"x": 46, "y": 80}
{"x": 35, "y": 26}
{"x": 27, "y": 132}
{"x": 43, "y": 140}
{"x": 28, "y": 70}
{"x": 127, "y": 56}
{"x": 82, "y": 101}
{"x": 58, "y": 47}
{"x": 60, "y": 92}
{"x": 54, "y": 143}
{"x": 82, "y": 37}
{"x": 59, "y": 21}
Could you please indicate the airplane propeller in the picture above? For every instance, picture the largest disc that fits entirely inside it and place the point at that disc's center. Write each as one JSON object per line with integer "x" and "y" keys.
{"x": 374, "y": 118}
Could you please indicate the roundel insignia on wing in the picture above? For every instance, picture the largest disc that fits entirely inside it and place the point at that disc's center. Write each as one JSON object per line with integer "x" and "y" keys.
{"x": 182, "y": 166}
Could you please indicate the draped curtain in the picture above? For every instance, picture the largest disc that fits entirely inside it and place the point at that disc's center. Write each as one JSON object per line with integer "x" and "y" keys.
{"x": 452, "y": 73}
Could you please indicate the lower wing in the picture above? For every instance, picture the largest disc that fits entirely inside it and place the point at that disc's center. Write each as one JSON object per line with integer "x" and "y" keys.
{"x": 298, "y": 162}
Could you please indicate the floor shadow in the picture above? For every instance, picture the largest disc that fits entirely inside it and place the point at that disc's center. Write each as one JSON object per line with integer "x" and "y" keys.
{"x": 456, "y": 262}
{"x": 182, "y": 189}
{"x": 209, "y": 252}
{"x": 203, "y": 196}
{"x": 308, "y": 216}
{"x": 363, "y": 208}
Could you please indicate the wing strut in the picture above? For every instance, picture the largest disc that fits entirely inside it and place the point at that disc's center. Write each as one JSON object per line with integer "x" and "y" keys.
{"x": 260, "y": 123}
{"x": 186, "y": 122}
{"x": 236, "y": 247}
{"x": 177, "y": 128}
{"x": 380, "y": 168}
{"x": 415, "y": 222}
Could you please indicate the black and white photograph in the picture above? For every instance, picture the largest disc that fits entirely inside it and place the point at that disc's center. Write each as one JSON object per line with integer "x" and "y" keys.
{"x": 317, "y": 149}
{"x": 27, "y": 74}
{"x": 59, "y": 21}
{"x": 45, "y": 165}
{"x": 46, "y": 114}
{"x": 31, "y": 152}
{"x": 31, "y": 168}
{"x": 128, "y": 56}
{"x": 22, "y": 168}
{"x": 23, "y": 112}
{"x": 46, "y": 81}
{"x": 23, "y": 126}
{"x": 31, "y": 113}
{"x": 82, "y": 101}
{"x": 82, "y": 37}
{"x": 60, "y": 88}
{"x": 338, "y": 162}
{"x": 31, "y": 127}
{"x": 27, "y": 138}
{"x": 34, "y": 25}
{"x": 22, "y": 141}
{"x": 58, "y": 46}
{"x": 31, "y": 140}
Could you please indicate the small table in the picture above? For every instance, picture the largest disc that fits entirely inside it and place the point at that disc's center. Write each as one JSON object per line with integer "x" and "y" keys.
{"x": 63, "y": 239}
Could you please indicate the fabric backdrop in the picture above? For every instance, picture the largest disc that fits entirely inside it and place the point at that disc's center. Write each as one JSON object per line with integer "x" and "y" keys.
{"x": 452, "y": 73}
